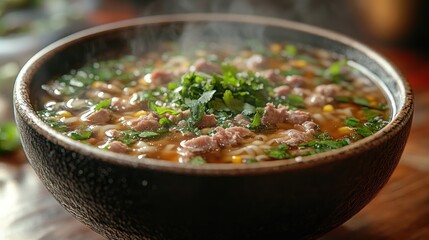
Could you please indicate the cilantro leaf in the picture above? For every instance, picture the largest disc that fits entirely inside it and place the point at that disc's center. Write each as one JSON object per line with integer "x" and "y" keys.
{"x": 80, "y": 134}
{"x": 148, "y": 134}
{"x": 279, "y": 152}
{"x": 103, "y": 104}
{"x": 197, "y": 160}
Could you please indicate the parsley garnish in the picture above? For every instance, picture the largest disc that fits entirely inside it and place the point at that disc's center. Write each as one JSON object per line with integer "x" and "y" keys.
{"x": 279, "y": 152}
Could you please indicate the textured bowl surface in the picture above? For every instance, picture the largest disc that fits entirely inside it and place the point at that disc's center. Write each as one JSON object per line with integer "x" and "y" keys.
{"x": 122, "y": 197}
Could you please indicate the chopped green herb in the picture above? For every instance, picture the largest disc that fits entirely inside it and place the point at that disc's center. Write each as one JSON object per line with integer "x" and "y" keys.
{"x": 165, "y": 122}
{"x": 148, "y": 134}
{"x": 279, "y": 152}
{"x": 197, "y": 160}
{"x": 257, "y": 118}
{"x": 343, "y": 99}
{"x": 103, "y": 104}
{"x": 360, "y": 128}
{"x": 250, "y": 160}
{"x": 162, "y": 110}
{"x": 292, "y": 101}
{"x": 361, "y": 101}
{"x": 80, "y": 134}
{"x": 335, "y": 72}
{"x": 290, "y": 50}
{"x": 52, "y": 119}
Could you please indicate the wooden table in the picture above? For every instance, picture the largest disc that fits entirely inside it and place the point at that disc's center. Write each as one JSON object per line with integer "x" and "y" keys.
{"x": 400, "y": 211}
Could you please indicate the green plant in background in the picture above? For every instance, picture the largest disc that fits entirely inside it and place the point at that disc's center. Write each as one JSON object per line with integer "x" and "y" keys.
{"x": 9, "y": 138}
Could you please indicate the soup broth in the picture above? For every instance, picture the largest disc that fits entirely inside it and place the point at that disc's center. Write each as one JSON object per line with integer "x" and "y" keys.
{"x": 217, "y": 104}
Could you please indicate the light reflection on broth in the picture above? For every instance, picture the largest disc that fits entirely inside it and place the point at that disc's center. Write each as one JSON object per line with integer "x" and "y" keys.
{"x": 216, "y": 105}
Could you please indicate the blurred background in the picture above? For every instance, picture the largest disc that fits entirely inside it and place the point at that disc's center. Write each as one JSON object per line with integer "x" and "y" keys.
{"x": 396, "y": 28}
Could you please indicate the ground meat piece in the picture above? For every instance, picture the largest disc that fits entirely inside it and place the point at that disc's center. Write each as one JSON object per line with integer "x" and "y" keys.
{"x": 204, "y": 66}
{"x": 158, "y": 77}
{"x": 282, "y": 91}
{"x": 208, "y": 120}
{"x": 328, "y": 90}
{"x": 144, "y": 123}
{"x": 310, "y": 126}
{"x": 228, "y": 137}
{"x": 200, "y": 144}
{"x": 317, "y": 100}
{"x": 178, "y": 117}
{"x": 99, "y": 117}
{"x": 241, "y": 120}
{"x": 295, "y": 81}
{"x": 273, "y": 115}
{"x": 297, "y": 117}
{"x": 293, "y": 137}
{"x": 255, "y": 61}
{"x": 232, "y": 136}
{"x": 272, "y": 75}
{"x": 119, "y": 147}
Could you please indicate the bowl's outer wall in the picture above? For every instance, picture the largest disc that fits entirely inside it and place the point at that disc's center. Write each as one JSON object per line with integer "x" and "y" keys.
{"x": 121, "y": 201}
{"x": 124, "y": 202}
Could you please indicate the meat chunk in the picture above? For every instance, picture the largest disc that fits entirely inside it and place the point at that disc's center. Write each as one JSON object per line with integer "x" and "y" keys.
{"x": 241, "y": 120}
{"x": 328, "y": 90}
{"x": 293, "y": 137}
{"x": 99, "y": 117}
{"x": 144, "y": 123}
{"x": 159, "y": 76}
{"x": 208, "y": 120}
{"x": 295, "y": 81}
{"x": 178, "y": 117}
{"x": 297, "y": 117}
{"x": 119, "y": 147}
{"x": 273, "y": 115}
{"x": 282, "y": 91}
{"x": 228, "y": 137}
{"x": 310, "y": 126}
{"x": 317, "y": 100}
{"x": 200, "y": 144}
{"x": 232, "y": 136}
{"x": 204, "y": 66}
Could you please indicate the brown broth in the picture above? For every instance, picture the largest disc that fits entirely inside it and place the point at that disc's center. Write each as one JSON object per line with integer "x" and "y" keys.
{"x": 117, "y": 104}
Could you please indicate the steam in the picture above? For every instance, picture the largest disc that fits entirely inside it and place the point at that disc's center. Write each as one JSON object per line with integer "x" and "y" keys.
{"x": 324, "y": 13}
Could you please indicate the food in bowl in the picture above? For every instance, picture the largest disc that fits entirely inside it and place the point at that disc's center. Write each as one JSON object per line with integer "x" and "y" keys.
{"x": 125, "y": 197}
{"x": 218, "y": 103}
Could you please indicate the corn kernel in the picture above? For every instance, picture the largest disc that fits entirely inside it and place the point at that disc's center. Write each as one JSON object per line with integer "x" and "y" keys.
{"x": 236, "y": 159}
{"x": 65, "y": 114}
{"x": 299, "y": 63}
{"x": 275, "y": 48}
{"x": 345, "y": 130}
{"x": 373, "y": 103}
{"x": 97, "y": 84}
{"x": 328, "y": 108}
{"x": 140, "y": 113}
{"x": 370, "y": 98}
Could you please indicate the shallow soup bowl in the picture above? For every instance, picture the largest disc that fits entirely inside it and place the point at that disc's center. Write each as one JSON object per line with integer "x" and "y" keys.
{"x": 123, "y": 197}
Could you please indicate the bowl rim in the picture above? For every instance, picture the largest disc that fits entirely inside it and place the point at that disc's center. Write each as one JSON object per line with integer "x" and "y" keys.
{"x": 24, "y": 107}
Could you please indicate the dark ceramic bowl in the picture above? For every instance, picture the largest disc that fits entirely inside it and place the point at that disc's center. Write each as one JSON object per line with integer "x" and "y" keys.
{"x": 123, "y": 197}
